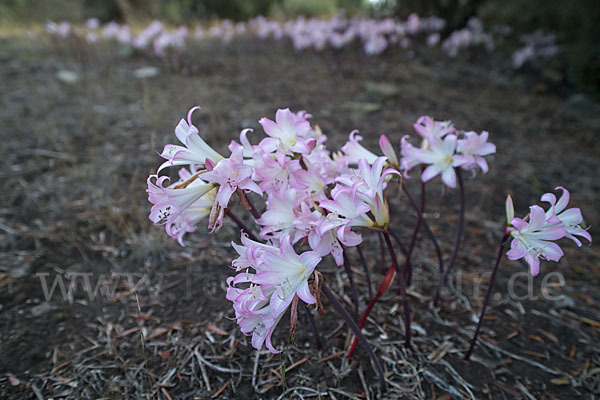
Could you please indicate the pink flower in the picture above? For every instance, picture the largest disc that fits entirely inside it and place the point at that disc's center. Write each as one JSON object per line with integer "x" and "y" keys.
{"x": 278, "y": 219}
{"x": 289, "y": 273}
{"x": 471, "y": 150}
{"x": 388, "y": 151}
{"x": 409, "y": 156}
{"x": 307, "y": 225}
{"x": 280, "y": 275}
{"x": 287, "y": 133}
{"x": 346, "y": 210}
{"x": 441, "y": 159}
{"x": 426, "y": 126}
{"x": 356, "y": 151}
{"x": 570, "y": 219}
{"x": 181, "y": 205}
{"x": 230, "y": 174}
{"x": 194, "y": 151}
{"x": 533, "y": 239}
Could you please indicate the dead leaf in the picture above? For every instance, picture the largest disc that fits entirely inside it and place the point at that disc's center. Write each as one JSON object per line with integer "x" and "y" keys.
{"x": 560, "y": 381}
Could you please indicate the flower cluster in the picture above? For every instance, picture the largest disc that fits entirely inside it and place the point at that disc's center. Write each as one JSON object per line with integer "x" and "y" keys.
{"x": 536, "y": 46}
{"x": 533, "y": 236}
{"x": 312, "y": 197}
{"x": 472, "y": 35}
{"x": 374, "y": 35}
{"x": 443, "y": 148}
{"x": 314, "y": 203}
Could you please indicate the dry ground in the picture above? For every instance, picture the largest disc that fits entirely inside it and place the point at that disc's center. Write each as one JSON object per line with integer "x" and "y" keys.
{"x": 73, "y": 207}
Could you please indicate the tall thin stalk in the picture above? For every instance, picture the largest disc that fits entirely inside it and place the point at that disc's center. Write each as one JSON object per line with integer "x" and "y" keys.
{"x": 428, "y": 229}
{"x": 459, "y": 230}
{"x": 401, "y": 280}
{"x": 366, "y": 269}
{"x": 313, "y": 326}
{"x": 488, "y": 294}
{"x": 353, "y": 290}
{"x": 352, "y": 325}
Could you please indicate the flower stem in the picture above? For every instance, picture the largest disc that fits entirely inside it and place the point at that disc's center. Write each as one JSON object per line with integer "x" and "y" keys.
{"x": 366, "y": 268}
{"x": 382, "y": 248}
{"x": 247, "y": 203}
{"x": 385, "y": 284}
{"x": 398, "y": 242}
{"x": 461, "y": 220}
{"x": 429, "y": 232}
{"x": 413, "y": 240}
{"x": 352, "y": 285}
{"x": 241, "y": 224}
{"x": 313, "y": 326}
{"x": 352, "y": 325}
{"x": 488, "y": 294}
{"x": 402, "y": 283}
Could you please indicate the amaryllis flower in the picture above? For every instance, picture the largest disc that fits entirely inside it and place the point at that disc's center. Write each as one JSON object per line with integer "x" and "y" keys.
{"x": 279, "y": 274}
{"x": 187, "y": 220}
{"x": 409, "y": 156}
{"x": 427, "y": 126}
{"x": 288, "y": 272}
{"x": 173, "y": 199}
{"x": 230, "y": 174}
{"x": 346, "y": 210}
{"x": 278, "y": 219}
{"x": 441, "y": 159}
{"x": 471, "y": 150}
{"x": 533, "y": 240}
{"x": 356, "y": 151}
{"x": 307, "y": 225}
{"x": 388, "y": 151}
{"x": 277, "y": 174}
{"x": 194, "y": 151}
{"x": 570, "y": 218}
{"x": 287, "y": 133}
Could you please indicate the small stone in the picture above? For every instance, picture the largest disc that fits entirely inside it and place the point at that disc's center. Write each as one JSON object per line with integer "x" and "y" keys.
{"x": 68, "y": 77}
{"x": 41, "y": 309}
{"x": 146, "y": 72}
{"x": 382, "y": 89}
{"x": 20, "y": 271}
{"x": 361, "y": 107}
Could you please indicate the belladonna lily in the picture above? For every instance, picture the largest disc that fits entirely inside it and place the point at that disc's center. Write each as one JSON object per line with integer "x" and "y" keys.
{"x": 388, "y": 151}
{"x": 471, "y": 150}
{"x": 288, "y": 272}
{"x": 230, "y": 174}
{"x": 281, "y": 274}
{"x": 356, "y": 151}
{"x": 195, "y": 149}
{"x": 427, "y": 126}
{"x": 179, "y": 205}
{"x": 533, "y": 240}
{"x": 570, "y": 219}
{"x": 287, "y": 133}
